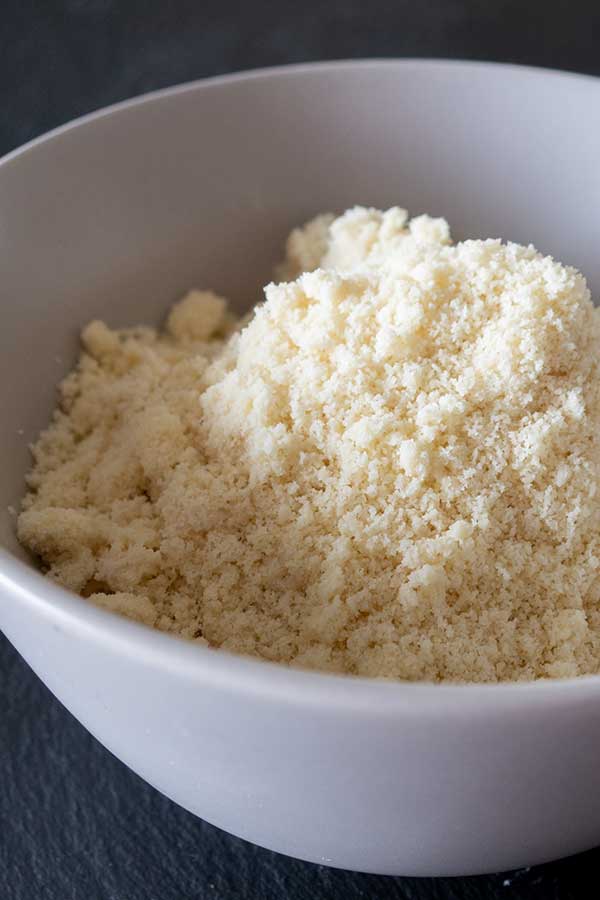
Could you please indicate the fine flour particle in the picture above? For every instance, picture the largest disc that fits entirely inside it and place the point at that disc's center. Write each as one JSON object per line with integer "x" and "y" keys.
{"x": 390, "y": 469}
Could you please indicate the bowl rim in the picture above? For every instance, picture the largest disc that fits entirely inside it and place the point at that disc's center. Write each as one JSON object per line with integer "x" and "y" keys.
{"x": 67, "y": 612}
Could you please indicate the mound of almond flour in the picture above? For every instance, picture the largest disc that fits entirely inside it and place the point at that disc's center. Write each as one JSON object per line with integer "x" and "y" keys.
{"x": 391, "y": 470}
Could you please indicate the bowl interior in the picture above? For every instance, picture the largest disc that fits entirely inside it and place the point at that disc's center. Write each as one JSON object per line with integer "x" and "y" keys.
{"x": 117, "y": 216}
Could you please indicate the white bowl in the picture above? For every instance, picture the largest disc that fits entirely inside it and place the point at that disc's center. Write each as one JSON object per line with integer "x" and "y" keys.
{"x": 120, "y": 213}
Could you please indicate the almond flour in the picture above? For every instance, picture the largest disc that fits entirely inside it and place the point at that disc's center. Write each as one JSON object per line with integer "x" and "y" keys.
{"x": 391, "y": 470}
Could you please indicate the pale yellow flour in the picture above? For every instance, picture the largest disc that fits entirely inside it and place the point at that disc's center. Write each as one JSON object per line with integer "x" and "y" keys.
{"x": 391, "y": 470}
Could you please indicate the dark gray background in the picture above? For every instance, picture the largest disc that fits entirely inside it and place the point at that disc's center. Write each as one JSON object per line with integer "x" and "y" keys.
{"x": 74, "y": 822}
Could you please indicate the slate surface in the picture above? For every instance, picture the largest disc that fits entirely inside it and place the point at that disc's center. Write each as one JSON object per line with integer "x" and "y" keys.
{"x": 75, "y": 824}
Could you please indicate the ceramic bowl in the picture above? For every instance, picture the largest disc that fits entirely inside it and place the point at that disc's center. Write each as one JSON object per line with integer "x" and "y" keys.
{"x": 120, "y": 213}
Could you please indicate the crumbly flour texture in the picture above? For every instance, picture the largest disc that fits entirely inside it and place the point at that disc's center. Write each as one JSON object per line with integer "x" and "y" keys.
{"x": 390, "y": 470}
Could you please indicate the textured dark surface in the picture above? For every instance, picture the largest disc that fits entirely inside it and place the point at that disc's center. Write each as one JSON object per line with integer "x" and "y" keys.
{"x": 74, "y": 822}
